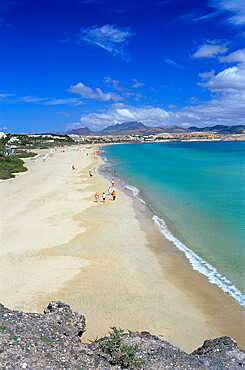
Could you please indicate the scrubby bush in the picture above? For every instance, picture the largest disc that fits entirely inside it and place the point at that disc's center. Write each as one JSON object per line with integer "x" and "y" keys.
{"x": 10, "y": 165}
{"x": 121, "y": 354}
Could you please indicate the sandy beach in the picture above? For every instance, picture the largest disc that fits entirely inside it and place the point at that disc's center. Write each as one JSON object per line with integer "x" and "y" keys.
{"x": 106, "y": 260}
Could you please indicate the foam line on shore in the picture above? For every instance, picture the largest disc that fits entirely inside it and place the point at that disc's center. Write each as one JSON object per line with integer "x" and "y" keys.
{"x": 202, "y": 266}
{"x": 196, "y": 262}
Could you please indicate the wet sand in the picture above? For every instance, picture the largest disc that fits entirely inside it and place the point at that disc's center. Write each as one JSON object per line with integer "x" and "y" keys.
{"x": 107, "y": 260}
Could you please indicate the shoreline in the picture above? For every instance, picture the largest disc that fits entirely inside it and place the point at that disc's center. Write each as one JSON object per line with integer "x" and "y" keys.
{"x": 210, "y": 298}
{"x": 197, "y": 263}
{"x": 111, "y": 263}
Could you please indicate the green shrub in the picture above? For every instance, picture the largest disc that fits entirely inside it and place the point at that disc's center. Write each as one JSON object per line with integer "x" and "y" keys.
{"x": 9, "y": 165}
{"x": 3, "y": 328}
{"x": 122, "y": 354}
{"x": 23, "y": 154}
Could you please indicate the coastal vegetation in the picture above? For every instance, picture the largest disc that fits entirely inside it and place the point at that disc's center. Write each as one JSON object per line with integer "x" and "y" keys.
{"x": 9, "y": 165}
{"x": 24, "y": 154}
{"x": 124, "y": 355}
{"x": 42, "y": 141}
{"x": 13, "y": 147}
{"x": 3, "y": 142}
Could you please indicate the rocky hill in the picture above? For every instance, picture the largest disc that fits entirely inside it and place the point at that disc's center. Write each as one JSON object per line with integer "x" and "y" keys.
{"x": 138, "y": 128}
{"x": 81, "y": 131}
{"x": 120, "y": 128}
{"x": 51, "y": 341}
{"x": 220, "y": 129}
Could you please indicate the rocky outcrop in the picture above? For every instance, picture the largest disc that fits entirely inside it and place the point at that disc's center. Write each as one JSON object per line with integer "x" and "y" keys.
{"x": 51, "y": 341}
{"x": 69, "y": 322}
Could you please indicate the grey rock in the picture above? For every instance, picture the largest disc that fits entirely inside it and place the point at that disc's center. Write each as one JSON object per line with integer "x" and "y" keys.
{"x": 224, "y": 348}
{"x": 51, "y": 341}
{"x": 60, "y": 314}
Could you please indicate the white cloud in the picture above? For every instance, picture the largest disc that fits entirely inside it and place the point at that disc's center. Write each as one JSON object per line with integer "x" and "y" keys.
{"x": 172, "y": 62}
{"x": 228, "y": 80}
{"x": 3, "y": 96}
{"x": 97, "y": 94}
{"x": 210, "y": 49}
{"x": 125, "y": 92}
{"x": 114, "y": 84}
{"x": 31, "y": 99}
{"x": 129, "y": 94}
{"x": 68, "y": 101}
{"x": 136, "y": 83}
{"x": 226, "y": 107}
{"x": 108, "y": 37}
{"x": 206, "y": 75}
{"x": 237, "y": 56}
{"x": 73, "y": 125}
{"x": 235, "y": 9}
{"x": 64, "y": 114}
{"x": 36, "y": 100}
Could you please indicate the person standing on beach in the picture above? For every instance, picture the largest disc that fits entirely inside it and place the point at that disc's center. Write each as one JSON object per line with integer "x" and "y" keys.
{"x": 112, "y": 182}
{"x": 96, "y": 197}
{"x": 113, "y": 195}
{"x": 109, "y": 190}
{"x": 103, "y": 196}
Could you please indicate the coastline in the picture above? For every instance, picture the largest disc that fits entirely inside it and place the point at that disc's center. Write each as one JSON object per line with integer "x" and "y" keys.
{"x": 225, "y": 270}
{"x": 222, "y": 310}
{"x": 108, "y": 261}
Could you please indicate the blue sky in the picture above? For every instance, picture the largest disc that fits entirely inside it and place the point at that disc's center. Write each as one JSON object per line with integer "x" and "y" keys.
{"x": 74, "y": 63}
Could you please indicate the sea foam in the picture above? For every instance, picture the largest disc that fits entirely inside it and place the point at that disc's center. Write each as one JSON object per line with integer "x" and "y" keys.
{"x": 135, "y": 192}
{"x": 202, "y": 266}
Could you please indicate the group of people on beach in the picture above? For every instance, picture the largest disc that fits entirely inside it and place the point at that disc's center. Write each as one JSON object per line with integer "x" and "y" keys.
{"x": 111, "y": 192}
{"x": 103, "y": 196}
{"x": 91, "y": 173}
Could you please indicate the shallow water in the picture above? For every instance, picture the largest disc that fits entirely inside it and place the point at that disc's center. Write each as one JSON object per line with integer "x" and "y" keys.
{"x": 198, "y": 190}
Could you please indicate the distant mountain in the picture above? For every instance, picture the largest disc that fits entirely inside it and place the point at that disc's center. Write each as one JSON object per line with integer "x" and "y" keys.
{"x": 121, "y": 128}
{"x": 172, "y": 129}
{"x": 220, "y": 129}
{"x": 138, "y": 128}
{"x": 81, "y": 131}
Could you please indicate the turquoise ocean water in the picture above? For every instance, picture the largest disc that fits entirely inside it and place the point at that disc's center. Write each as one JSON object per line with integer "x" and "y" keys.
{"x": 197, "y": 193}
